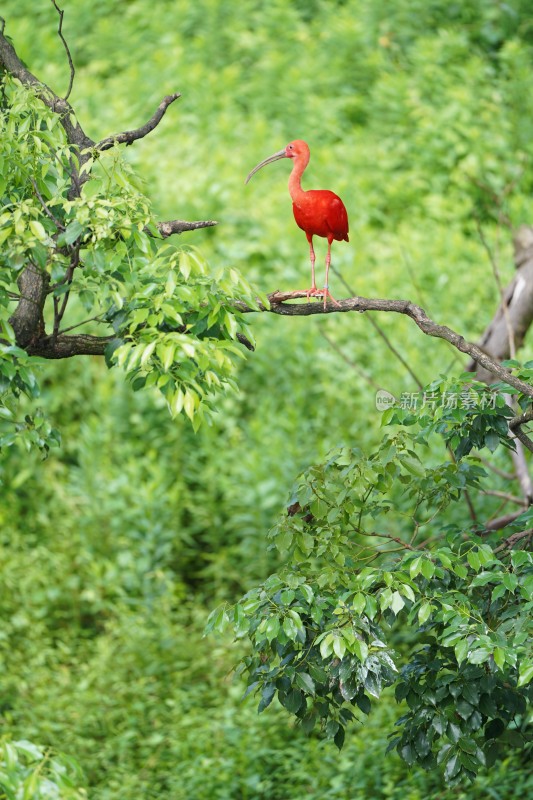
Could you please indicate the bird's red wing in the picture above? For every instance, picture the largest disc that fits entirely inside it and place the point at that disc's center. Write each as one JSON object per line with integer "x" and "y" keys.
{"x": 337, "y": 218}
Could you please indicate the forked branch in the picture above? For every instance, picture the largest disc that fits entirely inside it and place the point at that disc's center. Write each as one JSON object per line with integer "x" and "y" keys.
{"x": 128, "y": 137}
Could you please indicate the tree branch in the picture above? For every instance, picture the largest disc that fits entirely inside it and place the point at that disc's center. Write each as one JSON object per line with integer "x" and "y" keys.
{"x": 65, "y": 45}
{"x": 166, "y": 229}
{"x": 63, "y": 346}
{"x": 510, "y": 498}
{"x": 510, "y": 542}
{"x": 46, "y": 210}
{"x": 515, "y": 427}
{"x": 278, "y": 305}
{"x": 128, "y": 137}
{"x": 12, "y": 63}
{"x": 502, "y": 522}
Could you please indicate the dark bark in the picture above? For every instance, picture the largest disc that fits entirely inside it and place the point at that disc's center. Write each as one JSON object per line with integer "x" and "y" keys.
{"x": 172, "y": 226}
{"x": 27, "y": 319}
{"x": 278, "y": 305}
{"x": 128, "y": 137}
{"x": 65, "y": 346}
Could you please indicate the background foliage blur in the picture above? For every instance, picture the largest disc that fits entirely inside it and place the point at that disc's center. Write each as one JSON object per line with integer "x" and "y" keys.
{"x": 419, "y": 114}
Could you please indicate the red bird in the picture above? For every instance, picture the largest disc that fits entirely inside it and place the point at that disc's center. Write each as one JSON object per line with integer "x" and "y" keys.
{"x": 318, "y": 212}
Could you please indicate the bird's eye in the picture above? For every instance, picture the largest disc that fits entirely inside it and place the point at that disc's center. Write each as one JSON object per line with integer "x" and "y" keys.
{"x": 291, "y": 147}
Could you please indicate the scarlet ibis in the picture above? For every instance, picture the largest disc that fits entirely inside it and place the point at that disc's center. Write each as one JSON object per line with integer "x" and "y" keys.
{"x": 317, "y": 212}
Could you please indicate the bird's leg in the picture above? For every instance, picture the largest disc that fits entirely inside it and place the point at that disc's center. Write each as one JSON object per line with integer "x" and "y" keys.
{"x": 312, "y": 256}
{"x": 327, "y": 293}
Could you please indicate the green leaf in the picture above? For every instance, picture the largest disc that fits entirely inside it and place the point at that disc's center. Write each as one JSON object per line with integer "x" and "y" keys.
{"x": 360, "y": 649}
{"x": 38, "y": 230}
{"x": 525, "y": 673}
{"x": 427, "y": 569}
{"x": 305, "y": 682}
{"x": 72, "y": 232}
{"x": 499, "y": 657}
{"x": 339, "y": 646}
{"x": 397, "y": 602}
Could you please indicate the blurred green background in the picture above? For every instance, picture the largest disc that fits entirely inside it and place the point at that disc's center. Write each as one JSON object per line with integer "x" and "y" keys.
{"x": 419, "y": 113}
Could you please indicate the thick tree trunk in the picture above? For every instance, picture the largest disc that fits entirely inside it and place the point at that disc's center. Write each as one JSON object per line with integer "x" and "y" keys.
{"x": 518, "y": 316}
{"x": 511, "y": 323}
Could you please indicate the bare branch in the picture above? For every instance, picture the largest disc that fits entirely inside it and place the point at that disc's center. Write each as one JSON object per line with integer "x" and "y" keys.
{"x": 513, "y": 539}
{"x": 172, "y": 226}
{"x": 70, "y": 62}
{"x": 508, "y": 476}
{"x": 390, "y": 537}
{"x": 351, "y": 363}
{"x": 521, "y": 419}
{"x": 510, "y": 498}
{"x": 128, "y": 137}
{"x": 278, "y": 305}
{"x": 97, "y": 318}
{"x": 502, "y": 522}
{"x": 515, "y": 427}
{"x": 517, "y": 299}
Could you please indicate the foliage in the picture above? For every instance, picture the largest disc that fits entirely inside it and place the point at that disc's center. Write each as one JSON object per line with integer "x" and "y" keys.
{"x": 419, "y": 115}
{"x": 27, "y": 771}
{"x": 180, "y": 339}
{"x": 323, "y": 629}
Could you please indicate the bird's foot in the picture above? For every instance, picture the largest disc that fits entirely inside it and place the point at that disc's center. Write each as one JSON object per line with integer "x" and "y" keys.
{"x": 313, "y": 292}
{"x": 326, "y": 293}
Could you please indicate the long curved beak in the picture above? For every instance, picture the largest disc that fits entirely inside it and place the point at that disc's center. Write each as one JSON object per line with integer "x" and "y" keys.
{"x": 269, "y": 160}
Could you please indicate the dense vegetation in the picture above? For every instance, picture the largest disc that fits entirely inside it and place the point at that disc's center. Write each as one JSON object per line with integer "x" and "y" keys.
{"x": 115, "y": 548}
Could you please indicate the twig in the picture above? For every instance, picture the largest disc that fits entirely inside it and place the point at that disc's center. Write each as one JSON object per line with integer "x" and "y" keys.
{"x": 513, "y": 539}
{"x": 508, "y": 476}
{"x": 97, "y": 318}
{"x": 128, "y": 137}
{"x": 466, "y": 493}
{"x": 502, "y": 522}
{"x": 46, "y": 210}
{"x": 59, "y": 311}
{"x": 70, "y": 62}
{"x": 350, "y": 363}
{"x": 381, "y": 332}
{"x": 511, "y": 498}
{"x": 388, "y": 536}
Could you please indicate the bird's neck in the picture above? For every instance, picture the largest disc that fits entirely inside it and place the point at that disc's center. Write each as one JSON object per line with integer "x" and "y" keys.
{"x": 295, "y": 181}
